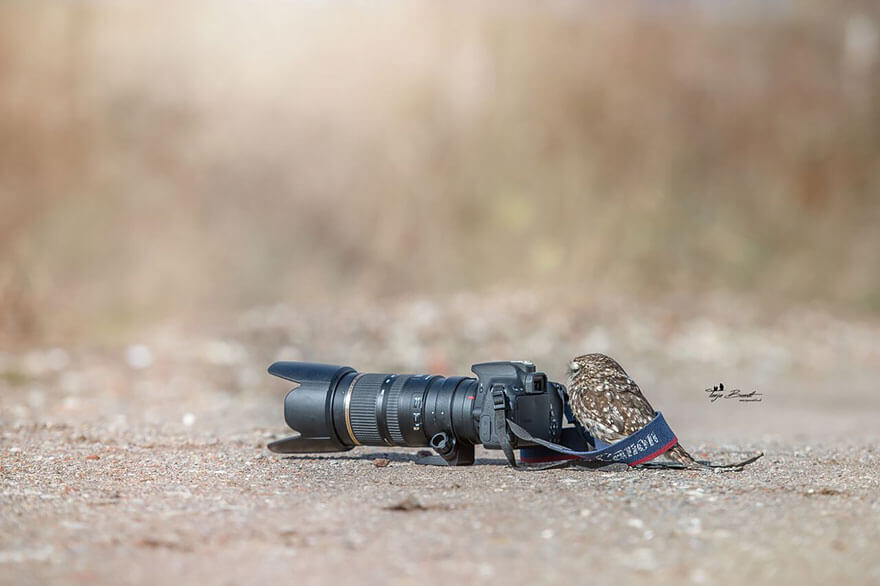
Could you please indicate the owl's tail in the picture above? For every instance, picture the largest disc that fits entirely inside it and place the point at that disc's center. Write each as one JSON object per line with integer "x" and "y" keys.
{"x": 680, "y": 455}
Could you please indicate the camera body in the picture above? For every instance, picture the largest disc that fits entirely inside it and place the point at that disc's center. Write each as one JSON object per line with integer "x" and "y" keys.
{"x": 532, "y": 401}
{"x": 335, "y": 408}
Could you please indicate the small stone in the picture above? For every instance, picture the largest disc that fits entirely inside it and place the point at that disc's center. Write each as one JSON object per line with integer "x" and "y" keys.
{"x": 381, "y": 462}
{"x": 410, "y": 503}
{"x": 547, "y": 534}
{"x": 643, "y": 559}
{"x": 694, "y": 526}
{"x": 189, "y": 419}
{"x": 222, "y": 353}
{"x": 354, "y": 540}
{"x": 699, "y": 576}
{"x": 636, "y": 523}
{"x": 93, "y": 457}
{"x": 72, "y": 382}
{"x": 586, "y": 512}
{"x": 139, "y": 356}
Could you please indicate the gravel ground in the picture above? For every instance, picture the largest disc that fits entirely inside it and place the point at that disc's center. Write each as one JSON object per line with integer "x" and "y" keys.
{"x": 144, "y": 462}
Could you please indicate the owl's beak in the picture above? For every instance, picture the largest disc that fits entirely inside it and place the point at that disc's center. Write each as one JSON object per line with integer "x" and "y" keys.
{"x": 573, "y": 367}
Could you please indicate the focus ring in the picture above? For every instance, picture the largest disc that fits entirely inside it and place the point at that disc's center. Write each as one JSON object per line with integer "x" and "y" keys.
{"x": 392, "y": 417}
{"x": 363, "y": 409}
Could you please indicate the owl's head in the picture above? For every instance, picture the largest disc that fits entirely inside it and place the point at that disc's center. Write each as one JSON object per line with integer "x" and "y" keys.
{"x": 591, "y": 361}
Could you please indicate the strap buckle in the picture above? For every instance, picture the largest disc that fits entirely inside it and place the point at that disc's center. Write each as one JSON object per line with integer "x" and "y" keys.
{"x": 499, "y": 399}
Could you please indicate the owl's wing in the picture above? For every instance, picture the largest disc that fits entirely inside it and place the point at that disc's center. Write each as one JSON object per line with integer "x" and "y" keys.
{"x": 637, "y": 412}
{"x": 610, "y": 404}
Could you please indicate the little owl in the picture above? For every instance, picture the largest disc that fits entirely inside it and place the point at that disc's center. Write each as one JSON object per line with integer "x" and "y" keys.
{"x": 610, "y": 405}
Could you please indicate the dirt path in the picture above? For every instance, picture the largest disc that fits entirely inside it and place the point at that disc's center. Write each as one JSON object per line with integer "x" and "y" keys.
{"x": 157, "y": 473}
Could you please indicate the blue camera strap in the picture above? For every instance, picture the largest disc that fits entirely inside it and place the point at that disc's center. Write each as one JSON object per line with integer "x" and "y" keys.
{"x": 578, "y": 448}
{"x": 646, "y": 444}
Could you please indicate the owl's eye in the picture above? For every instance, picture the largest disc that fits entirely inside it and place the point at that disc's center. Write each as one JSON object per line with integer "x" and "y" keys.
{"x": 573, "y": 366}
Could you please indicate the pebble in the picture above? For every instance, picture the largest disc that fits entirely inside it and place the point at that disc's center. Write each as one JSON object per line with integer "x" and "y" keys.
{"x": 642, "y": 559}
{"x": 381, "y": 462}
{"x": 410, "y": 503}
{"x": 699, "y": 576}
{"x": 636, "y": 523}
{"x": 139, "y": 356}
{"x": 485, "y": 570}
{"x": 354, "y": 540}
{"x": 694, "y": 526}
{"x": 222, "y": 353}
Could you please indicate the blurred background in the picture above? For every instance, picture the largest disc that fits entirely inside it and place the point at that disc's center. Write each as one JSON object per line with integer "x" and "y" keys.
{"x": 405, "y": 185}
{"x": 181, "y": 160}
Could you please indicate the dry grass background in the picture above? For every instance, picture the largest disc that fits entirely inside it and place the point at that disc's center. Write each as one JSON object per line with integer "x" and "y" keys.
{"x": 177, "y": 160}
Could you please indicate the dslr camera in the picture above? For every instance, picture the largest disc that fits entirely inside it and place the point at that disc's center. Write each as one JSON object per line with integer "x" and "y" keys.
{"x": 335, "y": 408}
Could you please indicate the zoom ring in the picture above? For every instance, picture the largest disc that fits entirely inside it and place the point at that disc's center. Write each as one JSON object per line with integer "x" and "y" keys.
{"x": 363, "y": 409}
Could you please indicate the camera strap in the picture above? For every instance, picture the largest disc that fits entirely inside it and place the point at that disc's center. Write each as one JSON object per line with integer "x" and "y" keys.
{"x": 646, "y": 444}
{"x": 574, "y": 449}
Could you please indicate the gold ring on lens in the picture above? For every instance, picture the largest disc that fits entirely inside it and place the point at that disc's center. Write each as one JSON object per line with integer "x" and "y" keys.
{"x": 348, "y": 407}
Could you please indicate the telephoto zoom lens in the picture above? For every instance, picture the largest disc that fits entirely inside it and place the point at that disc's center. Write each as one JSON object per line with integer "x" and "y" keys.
{"x": 336, "y": 408}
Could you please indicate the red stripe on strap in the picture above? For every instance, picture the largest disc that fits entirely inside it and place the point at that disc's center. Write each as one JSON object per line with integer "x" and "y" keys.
{"x": 657, "y": 453}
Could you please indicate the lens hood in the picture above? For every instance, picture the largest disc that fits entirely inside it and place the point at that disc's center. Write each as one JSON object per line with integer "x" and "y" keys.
{"x": 307, "y": 407}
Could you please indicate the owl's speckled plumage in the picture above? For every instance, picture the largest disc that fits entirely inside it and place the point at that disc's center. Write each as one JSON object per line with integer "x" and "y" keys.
{"x": 609, "y": 404}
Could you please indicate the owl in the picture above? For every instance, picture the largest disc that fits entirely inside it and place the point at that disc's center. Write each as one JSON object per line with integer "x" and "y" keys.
{"x": 610, "y": 405}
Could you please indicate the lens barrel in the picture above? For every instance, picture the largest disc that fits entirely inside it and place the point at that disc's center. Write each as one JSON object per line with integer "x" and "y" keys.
{"x": 335, "y": 408}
